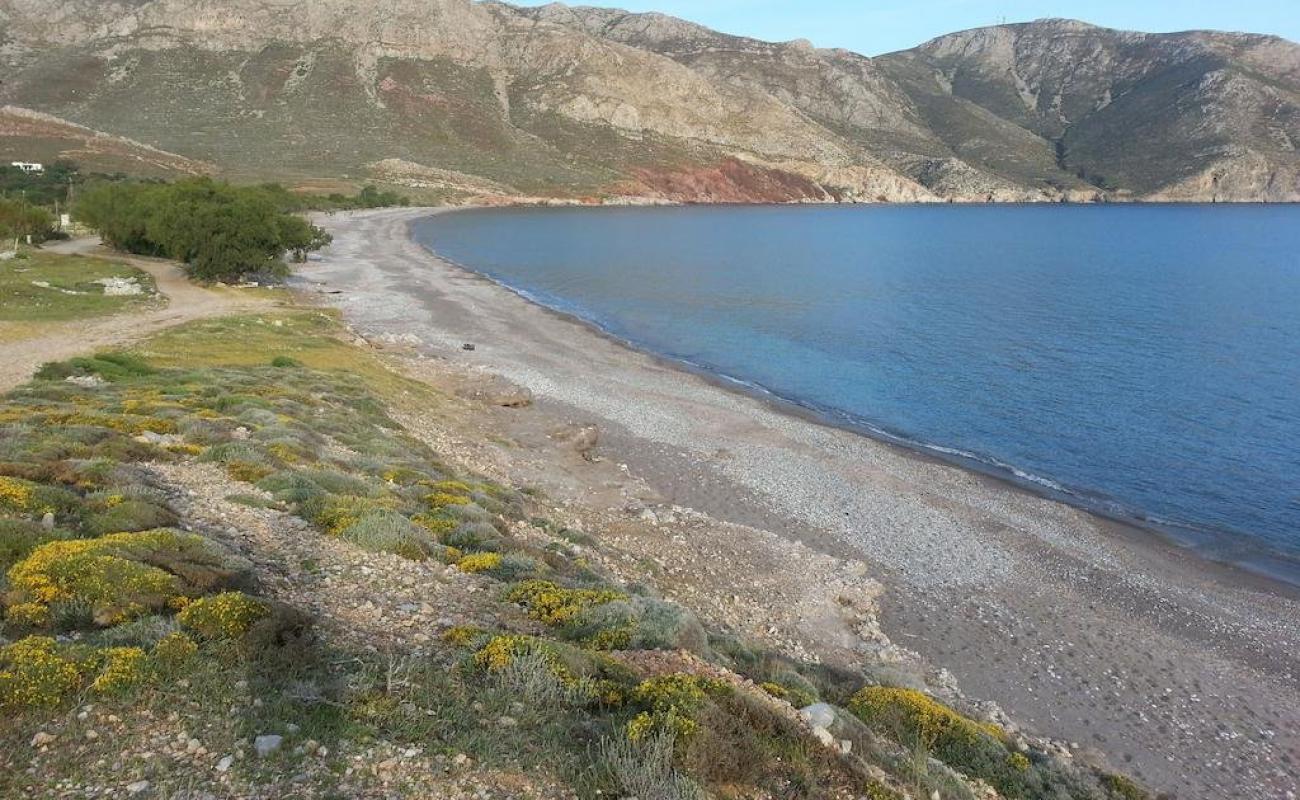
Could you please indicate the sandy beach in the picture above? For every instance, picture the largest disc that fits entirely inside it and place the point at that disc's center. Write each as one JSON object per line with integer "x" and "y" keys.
{"x": 1102, "y": 636}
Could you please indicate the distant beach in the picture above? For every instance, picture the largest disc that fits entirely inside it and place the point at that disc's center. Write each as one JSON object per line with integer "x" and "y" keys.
{"x": 1084, "y": 629}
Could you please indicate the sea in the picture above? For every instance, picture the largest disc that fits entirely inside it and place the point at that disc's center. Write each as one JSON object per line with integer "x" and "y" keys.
{"x": 1140, "y": 361}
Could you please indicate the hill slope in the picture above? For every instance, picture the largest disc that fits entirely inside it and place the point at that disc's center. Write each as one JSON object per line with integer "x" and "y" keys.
{"x": 576, "y": 102}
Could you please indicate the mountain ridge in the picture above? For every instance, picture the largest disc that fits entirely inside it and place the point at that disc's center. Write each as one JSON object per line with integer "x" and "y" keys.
{"x": 590, "y": 104}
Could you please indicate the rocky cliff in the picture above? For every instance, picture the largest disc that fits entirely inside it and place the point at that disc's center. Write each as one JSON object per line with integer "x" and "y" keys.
{"x": 595, "y": 103}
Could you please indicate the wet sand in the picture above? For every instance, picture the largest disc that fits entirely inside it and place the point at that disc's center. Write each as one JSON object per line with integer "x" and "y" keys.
{"x": 1182, "y": 672}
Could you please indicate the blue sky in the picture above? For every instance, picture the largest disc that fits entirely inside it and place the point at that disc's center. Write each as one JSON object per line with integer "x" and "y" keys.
{"x": 881, "y": 26}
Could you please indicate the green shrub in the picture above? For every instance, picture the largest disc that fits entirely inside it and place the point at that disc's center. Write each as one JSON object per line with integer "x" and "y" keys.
{"x": 129, "y": 516}
{"x": 18, "y": 538}
{"x": 389, "y": 532}
{"x": 473, "y": 536}
{"x": 1122, "y": 788}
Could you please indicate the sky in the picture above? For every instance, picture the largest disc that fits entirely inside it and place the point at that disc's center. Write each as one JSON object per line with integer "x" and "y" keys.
{"x": 872, "y": 27}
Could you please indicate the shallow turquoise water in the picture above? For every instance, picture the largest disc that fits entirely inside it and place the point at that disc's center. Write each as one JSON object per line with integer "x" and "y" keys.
{"x": 1143, "y": 361}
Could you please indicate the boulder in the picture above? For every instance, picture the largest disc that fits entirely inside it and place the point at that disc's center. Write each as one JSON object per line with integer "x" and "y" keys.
{"x": 818, "y": 715}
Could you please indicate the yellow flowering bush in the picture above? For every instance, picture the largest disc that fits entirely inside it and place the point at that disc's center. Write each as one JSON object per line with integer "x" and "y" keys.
{"x": 672, "y": 702}
{"x": 174, "y": 650}
{"x": 15, "y": 495}
{"x": 443, "y": 499}
{"x": 501, "y": 651}
{"x": 775, "y": 689}
{"x": 462, "y": 635}
{"x": 438, "y": 526}
{"x": 917, "y": 713}
{"x": 247, "y": 472}
{"x": 33, "y": 672}
{"x": 553, "y": 605}
{"x": 914, "y": 718}
{"x": 648, "y": 723}
{"x": 123, "y": 668}
{"x": 452, "y": 487}
{"x": 103, "y": 573}
{"x": 228, "y": 615}
{"x": 610, "y": 639}
{"x": 479, "y": 562}
{"x": 27, "y": 615}
{"x": 185, "y": 449}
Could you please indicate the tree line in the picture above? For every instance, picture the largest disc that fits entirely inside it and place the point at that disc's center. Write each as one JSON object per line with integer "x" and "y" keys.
{"x": 220, "y": 232}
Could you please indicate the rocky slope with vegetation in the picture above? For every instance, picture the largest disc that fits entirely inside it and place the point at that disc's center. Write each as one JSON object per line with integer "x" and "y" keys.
{"x": 249, "y": 556}
{"x": 490, "y": 100}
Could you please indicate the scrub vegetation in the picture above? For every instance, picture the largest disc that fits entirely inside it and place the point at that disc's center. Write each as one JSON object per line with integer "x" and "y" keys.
{"x": 123, "y": 612}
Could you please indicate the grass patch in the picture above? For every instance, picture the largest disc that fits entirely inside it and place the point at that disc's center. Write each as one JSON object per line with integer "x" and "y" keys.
{"x": 69, "y": 291}
{"x": 310, "y": 339}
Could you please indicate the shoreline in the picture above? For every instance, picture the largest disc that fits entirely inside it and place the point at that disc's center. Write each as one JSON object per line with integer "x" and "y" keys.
{"x": 1276, "y": 571}
{"x": 1138, "y": 649}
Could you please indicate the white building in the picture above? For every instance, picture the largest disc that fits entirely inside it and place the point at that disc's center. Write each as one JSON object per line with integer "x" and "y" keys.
{"x": 28, "y": 166}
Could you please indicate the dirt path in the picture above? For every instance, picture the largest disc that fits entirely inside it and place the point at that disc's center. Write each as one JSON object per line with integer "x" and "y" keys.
{"x": 185, "y": 301}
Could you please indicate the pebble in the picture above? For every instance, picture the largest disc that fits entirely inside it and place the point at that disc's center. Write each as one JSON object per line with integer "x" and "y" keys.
{"x": 225, "y": 764}
{"x": 42, "y": 738}
{"x": 268, "y": 744}
{"x": 137, "y": 787}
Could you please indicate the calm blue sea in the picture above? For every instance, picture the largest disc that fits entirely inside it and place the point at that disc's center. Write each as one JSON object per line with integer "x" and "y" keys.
{"x": 1143, "y": 361}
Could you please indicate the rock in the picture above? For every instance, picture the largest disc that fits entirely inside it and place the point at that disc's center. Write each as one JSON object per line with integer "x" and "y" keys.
{"x": 240, "y": 434}
{"x": 225, "y": 764}
{"x": 846, "y": 746}
{"x": 824, "y": 736}
{"x": 138, "y": 787}
{"x": 818, "y": 715}
{"x": 47, "y": 521}
{"x": 582, "y": 438}
{"x": 85, "y": 381}
{"x": 499, "y": 392}
{"x": 42, "y": 738}
{"x": 120, "y": 287}
{"x": 508, "y": 722}
{"x": 267, "y": 744}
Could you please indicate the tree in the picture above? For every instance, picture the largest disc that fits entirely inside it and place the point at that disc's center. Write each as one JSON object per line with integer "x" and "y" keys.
{"x": 20, "y": 219}
{"x": 221, "y": 232}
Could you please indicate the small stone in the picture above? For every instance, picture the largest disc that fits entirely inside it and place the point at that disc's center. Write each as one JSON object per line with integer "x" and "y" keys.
{"x": 824, "y": 736}
{"x": 508, "y": 722}
{"x": 846, "y": 746}
{"x": 193, "y": 745}
{"x": 225, "y": 764}
{"x": 42, "y": 738}
{"x": 47, "y": 521}
{"x": 92, "y": 735}
{"x": 137, "y": 787}
{"x": 266, "y": 745}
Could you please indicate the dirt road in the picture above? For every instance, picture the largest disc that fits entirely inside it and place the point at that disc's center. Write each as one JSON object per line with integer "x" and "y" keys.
{"x": 183, "y": 302}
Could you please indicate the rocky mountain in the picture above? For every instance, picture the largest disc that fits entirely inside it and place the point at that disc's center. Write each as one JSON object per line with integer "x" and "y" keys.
{"x": 488, "y": 99}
